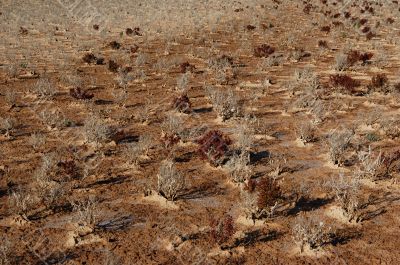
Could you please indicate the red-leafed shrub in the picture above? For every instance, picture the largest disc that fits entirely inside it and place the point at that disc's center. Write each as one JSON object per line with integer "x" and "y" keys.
{"x": 115, "y": 45}
{"x": 354, "y": 56}
{"x": 363, "y": 21}
{"x": 326, "y": 29}
{"x": 370, "y": 35}
{"x": 69, "y": 168}
{"x": 365, "y": 29}
{"x": 322, "y": 44}
{"x": 223, "y": 229}
{"x": 90, "y": 58}
{"x": 345, "y": 82}
{"x": 268, "y": 193}
{"x": 263, "y": 50}
{"x": 79, "y": 93}
{"x": 134, "y": 31}
{"x": 186, "y": 67}
{"x": 113, "y": 66}
{"x": 170, "y": 139}
{"x": 250, "y": 185}
{"x": 214, "y": 147}
{"x": 379, "y": 80}
{"x": 182, "y": 104}
{"x": 391, "y": 163}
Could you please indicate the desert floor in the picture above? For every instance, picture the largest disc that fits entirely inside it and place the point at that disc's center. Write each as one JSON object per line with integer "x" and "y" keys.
{"x": 199, "y": 132}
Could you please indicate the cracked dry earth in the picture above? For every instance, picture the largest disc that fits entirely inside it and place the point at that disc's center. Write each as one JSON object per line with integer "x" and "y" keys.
{"x": 65, "y": 199}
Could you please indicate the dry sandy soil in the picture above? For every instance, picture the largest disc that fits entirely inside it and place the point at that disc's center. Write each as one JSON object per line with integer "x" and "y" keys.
{"x": 105, "y": 161}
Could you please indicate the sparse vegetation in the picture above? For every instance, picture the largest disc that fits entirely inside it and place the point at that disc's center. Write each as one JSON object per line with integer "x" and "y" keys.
{"x": 199, "y": 132}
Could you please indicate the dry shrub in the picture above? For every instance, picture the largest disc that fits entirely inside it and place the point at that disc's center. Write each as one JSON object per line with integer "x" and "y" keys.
{"x": 135, "y": 151}
{"x": 169, "y": 180}
{"x": 225, "y": 103}
{"x": 114, "y": 45}
{"x": 348, "y": 194}
{"x": 171, "y": 130}
{"x": 214, "y": 146}
{"x": 10, "y": 97}
{"x": 370, "y": 164}
{"x": 323, "y": 44}
{"x": 86, "y": 211}
{"x": 310, "y": 232}
{"x": 7, "y": 125}
{"x": 239, "y": 168}
{"x": 391, "y": 126}
{"x": 96, "y": 130}
{"x": 326, "y": 29}
{"x": 37, "y": 140}
{"x": 44, "y": 88}
{"x": 338, "y": 142}
{"x": 306, "y": 132}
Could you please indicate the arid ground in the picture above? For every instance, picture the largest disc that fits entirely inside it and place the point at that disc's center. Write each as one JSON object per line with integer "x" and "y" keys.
{"x": 199, "y": 132}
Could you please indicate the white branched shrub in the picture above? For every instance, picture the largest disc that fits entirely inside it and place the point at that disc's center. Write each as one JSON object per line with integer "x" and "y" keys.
{"x": 369, "y": 163}
{"x": 169, "y": 180}
{"x": 239, "y": 168}
{"x": 347, "y": 193}
{"x": 310, "y": 232}
{"x": 225, "y": 103}
{"x": 338, "y": 142}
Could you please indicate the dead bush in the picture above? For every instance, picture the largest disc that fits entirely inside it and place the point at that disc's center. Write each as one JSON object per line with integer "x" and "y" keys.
{"x": 134, "y": 152}
{"x": 45, "y": 89}
{"x": 390, "y": 164}
{"x": 306, "y": 132}
{"x": 95, "y": 130}
{"x": 7, "y": 125}
{"x": 310, "y": 232}
{"x": 239, "y": 168}
{"x": 370, "y": 164}
{"x": 37, "y": 140}
{"x": 338, "y": 142}
{"x": 169, "y": 180}
{"x": 225, "y": 103}
{"x": 10, "y": 97}
{"x": 347, "y": 193}
{"x": 171, "y": 130}
{"x": 391, "y": 126}
{"x": 86, "y": 211}
{"x": 53, "y": 118}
